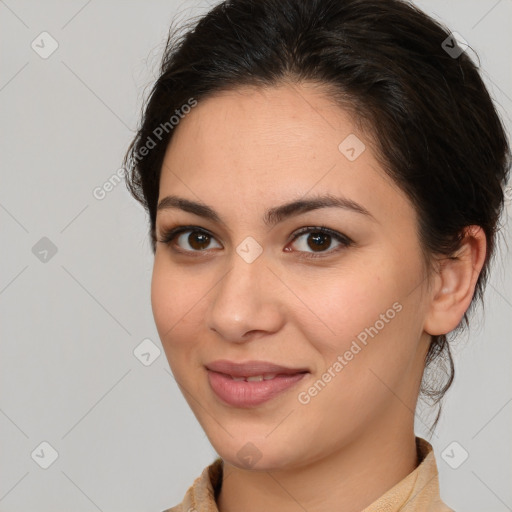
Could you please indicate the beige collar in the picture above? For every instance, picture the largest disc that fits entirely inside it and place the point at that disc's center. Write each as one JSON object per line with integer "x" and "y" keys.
{"x": 418, "y": 491}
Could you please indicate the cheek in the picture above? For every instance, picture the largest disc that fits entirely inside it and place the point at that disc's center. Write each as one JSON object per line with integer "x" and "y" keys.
{"x": 177, "y": 297}
{"x": 366, "y": 315}
{"x": 342, "y": 304}
{"x": 163, "y": 298}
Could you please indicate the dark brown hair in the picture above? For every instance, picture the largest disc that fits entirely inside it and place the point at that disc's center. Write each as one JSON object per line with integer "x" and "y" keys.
{"x": 436, "y": 129}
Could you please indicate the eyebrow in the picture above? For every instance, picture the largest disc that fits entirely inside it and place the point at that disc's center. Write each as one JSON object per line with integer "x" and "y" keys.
{"x": 273, "y": 215}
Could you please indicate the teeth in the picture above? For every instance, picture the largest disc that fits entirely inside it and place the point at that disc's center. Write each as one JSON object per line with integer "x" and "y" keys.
{"x": 256, "y": 378}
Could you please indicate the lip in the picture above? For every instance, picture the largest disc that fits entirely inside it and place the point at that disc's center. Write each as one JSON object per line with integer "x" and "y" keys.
{"x": 244, "y": 394}
{"x": 251, "y": 368}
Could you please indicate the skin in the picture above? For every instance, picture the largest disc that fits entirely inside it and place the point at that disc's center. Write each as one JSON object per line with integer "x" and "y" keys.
{"x": 242, "y": 152}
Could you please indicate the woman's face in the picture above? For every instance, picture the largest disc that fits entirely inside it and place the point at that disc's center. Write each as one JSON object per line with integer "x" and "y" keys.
{"x": 246, "y": 286}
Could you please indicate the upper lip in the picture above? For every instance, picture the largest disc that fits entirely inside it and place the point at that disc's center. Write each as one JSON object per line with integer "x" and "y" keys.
{"x": 251, "y": 368}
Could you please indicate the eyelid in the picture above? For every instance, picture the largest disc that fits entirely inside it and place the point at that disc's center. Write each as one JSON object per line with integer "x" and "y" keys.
{"x": 321, "y": 229}
{"x": 169, "y": 235}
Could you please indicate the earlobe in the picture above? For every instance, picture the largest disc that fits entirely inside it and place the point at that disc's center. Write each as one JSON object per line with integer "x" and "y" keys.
{"x": 455, "y": 283}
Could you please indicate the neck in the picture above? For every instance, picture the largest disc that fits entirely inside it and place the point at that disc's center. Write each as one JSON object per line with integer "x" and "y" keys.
{"x": 349, "y": 479}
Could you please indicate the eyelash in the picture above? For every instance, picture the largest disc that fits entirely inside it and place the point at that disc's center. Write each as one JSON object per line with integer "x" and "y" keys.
{"x": 170, "y": 234}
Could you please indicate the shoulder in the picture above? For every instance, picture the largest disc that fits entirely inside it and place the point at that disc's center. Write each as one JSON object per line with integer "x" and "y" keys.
{"x": 202, "y": 493}
{"x": 180, "y": 508}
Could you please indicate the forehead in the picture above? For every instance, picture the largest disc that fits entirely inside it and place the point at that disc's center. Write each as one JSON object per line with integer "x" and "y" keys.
{"x": 260, "y": 129}
{"x": 257, "y": 145}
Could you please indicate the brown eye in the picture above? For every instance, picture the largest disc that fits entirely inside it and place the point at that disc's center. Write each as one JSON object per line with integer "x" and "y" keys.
{"x": 319, "y": 240}
{"x": 188, "y": 239}
{"x": 198, "y": 240}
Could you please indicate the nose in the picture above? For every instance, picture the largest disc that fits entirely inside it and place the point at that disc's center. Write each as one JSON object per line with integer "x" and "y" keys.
{"x": 245, "y": 303}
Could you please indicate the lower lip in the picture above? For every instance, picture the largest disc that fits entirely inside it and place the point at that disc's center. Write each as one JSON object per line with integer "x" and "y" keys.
{"x": 240, "y": 393}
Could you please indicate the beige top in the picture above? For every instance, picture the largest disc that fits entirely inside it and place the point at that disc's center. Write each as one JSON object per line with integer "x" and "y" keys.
{"x": 418, "y": 491}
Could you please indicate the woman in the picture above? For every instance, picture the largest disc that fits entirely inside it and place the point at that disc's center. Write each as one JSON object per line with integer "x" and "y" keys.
{"x": 324, "y": 180}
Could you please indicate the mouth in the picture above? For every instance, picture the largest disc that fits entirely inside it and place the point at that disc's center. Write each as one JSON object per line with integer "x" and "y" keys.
{"x": 251, "y": 369}
{"x": 252, "y": 383}
{"x": 259, "y": 378}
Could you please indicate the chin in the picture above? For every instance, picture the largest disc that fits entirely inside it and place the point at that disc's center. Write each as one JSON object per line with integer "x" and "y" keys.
{"x": 258, "y": 454}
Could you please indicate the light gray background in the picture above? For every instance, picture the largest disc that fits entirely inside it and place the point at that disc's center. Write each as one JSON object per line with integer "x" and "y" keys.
{"x": 125, "y": 437}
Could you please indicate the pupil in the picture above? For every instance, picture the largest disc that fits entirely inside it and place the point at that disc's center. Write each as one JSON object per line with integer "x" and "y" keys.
{"x": 318, "y": 238}
{"x": 199, "y": 241}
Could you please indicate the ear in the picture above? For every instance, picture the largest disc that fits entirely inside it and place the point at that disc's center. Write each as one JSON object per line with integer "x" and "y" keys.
{"x": 454, "y": 284}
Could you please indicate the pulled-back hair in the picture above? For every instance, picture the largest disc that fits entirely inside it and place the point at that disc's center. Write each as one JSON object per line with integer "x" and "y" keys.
{"x": 401, "y": 75}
